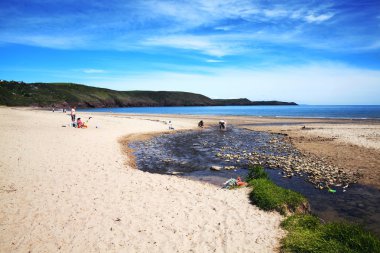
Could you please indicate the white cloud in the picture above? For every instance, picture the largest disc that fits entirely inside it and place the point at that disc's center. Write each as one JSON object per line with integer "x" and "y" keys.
{"x": 49, "y": 41}
{"x": 224, "y": 28}
{"x": 318, "y": 18}
{"x": 213, "y": 61}
{"x": 200, "y": 14}
{"x": 143, "y": 25}
{"x": 221, "y": 45}
{"x": 94, "y": 71}
{"x": 371, "y": 46}
{"x": 275, "y": 13}
{"x": 319, "y": 83}
{"x": 210, "y": 45}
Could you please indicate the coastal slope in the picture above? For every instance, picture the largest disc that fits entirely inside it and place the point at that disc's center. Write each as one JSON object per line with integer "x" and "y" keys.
{"x": 69, "y": 94}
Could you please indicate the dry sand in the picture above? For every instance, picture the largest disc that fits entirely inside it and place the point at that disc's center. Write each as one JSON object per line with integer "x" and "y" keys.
{"x": 68, "y": 190}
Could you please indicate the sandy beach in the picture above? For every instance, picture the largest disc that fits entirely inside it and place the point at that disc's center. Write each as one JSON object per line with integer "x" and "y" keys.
{"x": 71, "y": 190}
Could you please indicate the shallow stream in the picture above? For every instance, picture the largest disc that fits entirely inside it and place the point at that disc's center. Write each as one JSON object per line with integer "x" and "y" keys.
{"x": 191, "y": 154}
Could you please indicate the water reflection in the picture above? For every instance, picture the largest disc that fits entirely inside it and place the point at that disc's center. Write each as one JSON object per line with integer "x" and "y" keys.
{"x": 191, "y": 154}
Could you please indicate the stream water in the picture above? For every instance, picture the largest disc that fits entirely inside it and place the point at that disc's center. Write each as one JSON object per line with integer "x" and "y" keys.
{"x": 191, "y": 154}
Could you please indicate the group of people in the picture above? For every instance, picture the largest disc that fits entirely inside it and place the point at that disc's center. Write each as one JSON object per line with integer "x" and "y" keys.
{"x": 63, "y": 109}
{"x": 78, "y": 123}
{"x": 222, "y": 124}
{"x": 201, "y": 124}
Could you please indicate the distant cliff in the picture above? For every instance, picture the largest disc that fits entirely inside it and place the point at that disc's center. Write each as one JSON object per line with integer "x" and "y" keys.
{"x": 245, "y": 101}
{"x": 69, "y": 94}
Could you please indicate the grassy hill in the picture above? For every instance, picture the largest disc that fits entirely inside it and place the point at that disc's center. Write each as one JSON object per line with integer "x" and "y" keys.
{"x": 69, "y": 94}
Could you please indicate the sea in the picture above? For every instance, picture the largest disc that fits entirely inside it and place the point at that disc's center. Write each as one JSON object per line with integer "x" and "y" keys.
{"x": 300, "y": 111}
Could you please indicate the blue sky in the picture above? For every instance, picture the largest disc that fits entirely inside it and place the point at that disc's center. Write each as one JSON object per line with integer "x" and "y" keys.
{"x": 311, "y": 52}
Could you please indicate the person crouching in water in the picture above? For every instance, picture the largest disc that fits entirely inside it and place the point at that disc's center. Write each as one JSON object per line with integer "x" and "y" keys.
{"x": 222, "y": 125}
{"x": 201, "y": 124}
{"x": 80, "y": 124}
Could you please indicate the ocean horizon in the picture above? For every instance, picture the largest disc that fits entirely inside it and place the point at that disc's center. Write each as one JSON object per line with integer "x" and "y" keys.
{"x": 300, "y": 111}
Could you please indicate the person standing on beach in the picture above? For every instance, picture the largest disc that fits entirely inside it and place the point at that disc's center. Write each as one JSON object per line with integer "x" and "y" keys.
{"x": 73, "y": 114}
{"x": 171, "y": 125}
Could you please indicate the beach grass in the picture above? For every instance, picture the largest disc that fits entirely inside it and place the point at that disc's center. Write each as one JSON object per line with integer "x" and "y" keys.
{"x": 256, "y": 172}
{"x": 307, "y": 234}
{"x": 268, "y": 196}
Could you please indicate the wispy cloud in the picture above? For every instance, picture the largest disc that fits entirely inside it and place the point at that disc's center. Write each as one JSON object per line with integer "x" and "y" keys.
{"x": 195, "y": 32}
{"x": 224, "y": 28}
{"x": 315, "y": 83}
{"x": 158, "y": 22}
{"x": 94, "y": 71}
{"x": 318, "y": 18}
{"x": 373, "y": 46}
{"x": 58, "y": 41}
{"x": 210, "y": 45}
{"x": 213, "y": 61}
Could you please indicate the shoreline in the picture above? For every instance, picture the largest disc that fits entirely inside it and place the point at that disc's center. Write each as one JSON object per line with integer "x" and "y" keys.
{"x": 308, "y": 142}
{"x": 347, "y": 120}
{"x": 334, "y": 119}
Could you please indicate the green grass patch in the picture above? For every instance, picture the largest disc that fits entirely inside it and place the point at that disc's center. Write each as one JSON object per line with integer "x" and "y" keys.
{"x": 307, "y": 234}
{"x": 268, "y": 196}
{"x": 256, "y": 172}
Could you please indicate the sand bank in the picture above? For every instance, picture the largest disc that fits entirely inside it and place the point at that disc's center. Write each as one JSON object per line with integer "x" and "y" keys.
{"x": 353, "y": 147}
{"x": 68, "y": 190}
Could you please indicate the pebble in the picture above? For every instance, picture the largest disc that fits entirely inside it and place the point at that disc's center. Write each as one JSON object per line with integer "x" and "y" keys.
{"x": 242, "y": 149}
{"x": 216, "y": 168}
{"x": 278, "y": 154}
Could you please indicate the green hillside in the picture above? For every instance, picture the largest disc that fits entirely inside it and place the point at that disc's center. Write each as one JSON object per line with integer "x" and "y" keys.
{"x": 69, "y": 94}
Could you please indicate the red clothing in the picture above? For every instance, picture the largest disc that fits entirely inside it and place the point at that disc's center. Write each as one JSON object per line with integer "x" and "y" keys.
{"x": 79, "y": 123}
